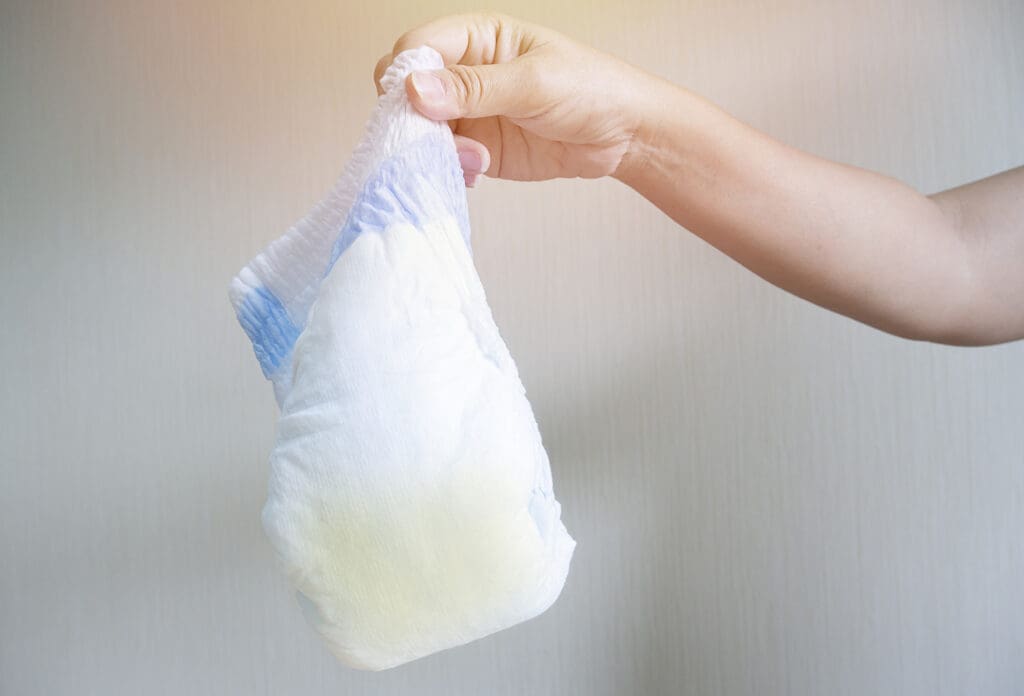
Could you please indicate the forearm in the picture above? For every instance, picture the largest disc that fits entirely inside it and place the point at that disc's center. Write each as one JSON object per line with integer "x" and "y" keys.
{"x": 852, "y": 241}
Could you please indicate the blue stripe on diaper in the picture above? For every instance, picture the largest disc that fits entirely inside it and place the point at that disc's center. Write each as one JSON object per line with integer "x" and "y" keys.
{"x": 420, "y": 184}
{"x": 267, "y": 323}
{"x": 385, "y": 198}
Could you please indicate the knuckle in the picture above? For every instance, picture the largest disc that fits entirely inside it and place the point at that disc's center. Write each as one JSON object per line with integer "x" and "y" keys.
{"x": 535, "y": 80}
{"x": 499, "y": 19}
{"x": 532, "y": 74}
{"x": 469, "y": 86}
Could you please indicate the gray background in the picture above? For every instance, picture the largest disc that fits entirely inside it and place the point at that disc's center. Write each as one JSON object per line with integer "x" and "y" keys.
{"x": 768, "y": 499}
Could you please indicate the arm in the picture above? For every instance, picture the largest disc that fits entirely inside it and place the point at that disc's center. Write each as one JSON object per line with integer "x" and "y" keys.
{"x": 527, "y": 103}
{"x": 949, "y": 268}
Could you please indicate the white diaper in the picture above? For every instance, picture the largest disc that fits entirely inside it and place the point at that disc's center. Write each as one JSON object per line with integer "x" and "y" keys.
{"x": 410, "y": 496}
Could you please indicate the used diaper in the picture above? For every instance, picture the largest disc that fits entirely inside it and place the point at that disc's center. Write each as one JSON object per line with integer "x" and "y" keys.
{"x": 410, "y": 496}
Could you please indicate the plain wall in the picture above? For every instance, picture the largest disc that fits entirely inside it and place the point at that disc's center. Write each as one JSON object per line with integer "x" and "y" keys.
{"x": 768, "y": 499}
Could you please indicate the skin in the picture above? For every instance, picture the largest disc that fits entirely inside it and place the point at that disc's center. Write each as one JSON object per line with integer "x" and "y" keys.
{"x": 529, "y": 104}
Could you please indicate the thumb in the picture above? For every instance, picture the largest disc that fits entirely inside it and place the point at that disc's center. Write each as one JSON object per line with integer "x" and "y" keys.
{"x": 472, "y": 91}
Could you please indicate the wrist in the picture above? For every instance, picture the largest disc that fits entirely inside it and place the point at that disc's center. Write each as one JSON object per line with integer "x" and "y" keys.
{"x": 658, "y": 106}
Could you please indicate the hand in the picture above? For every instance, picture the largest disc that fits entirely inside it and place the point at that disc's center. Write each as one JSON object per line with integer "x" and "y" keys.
{"x": 525, "y": 102}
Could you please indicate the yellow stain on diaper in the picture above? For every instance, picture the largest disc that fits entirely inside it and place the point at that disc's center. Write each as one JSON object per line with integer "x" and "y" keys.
{"x": 416, "y": 569}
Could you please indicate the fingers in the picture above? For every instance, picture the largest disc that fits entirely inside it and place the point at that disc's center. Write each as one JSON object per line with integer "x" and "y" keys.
{"x": 477, "y": 91}
{"x": 471, "y": 39}
{"x": 474, "y": 158}
{"x": 486, "y": 75}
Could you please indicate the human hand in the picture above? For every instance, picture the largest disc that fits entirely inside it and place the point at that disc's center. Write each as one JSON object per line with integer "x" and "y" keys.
{"x": 523, "y": 101}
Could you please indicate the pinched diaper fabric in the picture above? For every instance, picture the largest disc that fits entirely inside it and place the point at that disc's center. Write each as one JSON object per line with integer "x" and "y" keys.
{"x": 410, "y": 496}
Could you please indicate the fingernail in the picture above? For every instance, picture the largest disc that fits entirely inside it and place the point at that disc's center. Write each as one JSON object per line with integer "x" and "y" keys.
{"x": 428, "y": 86}
{"x": 471, "y": 162}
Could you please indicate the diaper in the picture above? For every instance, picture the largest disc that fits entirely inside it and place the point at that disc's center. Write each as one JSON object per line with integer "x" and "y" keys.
{"x": 410, "y": 497}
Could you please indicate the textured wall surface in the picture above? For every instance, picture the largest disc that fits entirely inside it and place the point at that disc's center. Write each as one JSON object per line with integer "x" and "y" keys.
{"x": 768, "y": 499}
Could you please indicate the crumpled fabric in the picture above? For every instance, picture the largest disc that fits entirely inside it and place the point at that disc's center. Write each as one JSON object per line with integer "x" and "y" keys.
{"x": 410, "y": 497}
